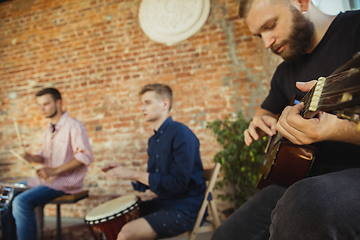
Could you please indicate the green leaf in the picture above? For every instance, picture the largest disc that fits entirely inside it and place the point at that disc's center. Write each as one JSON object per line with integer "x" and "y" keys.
{"x": 240, "y": 164}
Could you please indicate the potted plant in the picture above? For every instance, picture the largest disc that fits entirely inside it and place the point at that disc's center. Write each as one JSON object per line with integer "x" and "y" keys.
{"x": 240, "y": 163}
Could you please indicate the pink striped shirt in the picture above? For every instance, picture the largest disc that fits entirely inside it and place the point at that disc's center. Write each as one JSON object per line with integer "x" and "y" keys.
{"x": 69, "y": 141}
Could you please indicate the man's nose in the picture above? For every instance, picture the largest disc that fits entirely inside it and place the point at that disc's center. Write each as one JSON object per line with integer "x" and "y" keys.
{"x": 268, "y": 40}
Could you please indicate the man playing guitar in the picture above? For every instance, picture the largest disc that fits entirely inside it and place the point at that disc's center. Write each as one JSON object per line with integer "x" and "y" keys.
{"x": 326, "y": 204}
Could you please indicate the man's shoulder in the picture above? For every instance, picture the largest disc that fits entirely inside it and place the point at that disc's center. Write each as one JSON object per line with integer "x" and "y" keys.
{"x": 183, "y": 131}
{"x": 350, "y": 18}
{"x": 350, "y": 14}
{"x": 178, "y": 125}
{"x": 73, "y": 122}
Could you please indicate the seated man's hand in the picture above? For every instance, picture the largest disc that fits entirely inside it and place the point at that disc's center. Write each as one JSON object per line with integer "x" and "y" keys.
{"x": 306, "y": 131}
{"x": 46, "y": 172}
{"x": 120, "y": 172}
{"x": 109, "y": 167}
{"x": 146, "y": 196}
{"x": 259, "y": 127}
{"x": 302, "y": 131}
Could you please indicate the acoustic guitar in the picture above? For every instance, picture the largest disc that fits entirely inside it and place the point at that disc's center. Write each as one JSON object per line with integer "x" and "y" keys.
{"x": 339, "y": 94}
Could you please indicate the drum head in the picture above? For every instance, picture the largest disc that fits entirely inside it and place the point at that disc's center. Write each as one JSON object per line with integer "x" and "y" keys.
{"x": 112, "y": 207}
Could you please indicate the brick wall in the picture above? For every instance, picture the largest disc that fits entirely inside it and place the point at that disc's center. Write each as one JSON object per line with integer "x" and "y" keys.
{"x": 96, "y": 54}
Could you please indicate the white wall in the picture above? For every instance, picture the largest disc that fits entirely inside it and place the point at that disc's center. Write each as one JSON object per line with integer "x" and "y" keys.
{"x": 333, "y": 7}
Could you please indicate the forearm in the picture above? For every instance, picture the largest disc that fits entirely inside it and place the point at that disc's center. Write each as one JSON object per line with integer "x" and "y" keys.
{"x": 262, "y": 112}
{"x": 323, "y": 127}
{"x": 73, "y": 164}
{"x": 34, "y": 158}
{"x": 345, "y": 131}
{"x": 38, "y": 159}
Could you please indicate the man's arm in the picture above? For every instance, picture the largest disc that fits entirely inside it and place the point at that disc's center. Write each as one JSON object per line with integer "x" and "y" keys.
{"x": 263, "y": 123}
{"x": 47, "y": 172}
{"x": 326, "y": 127}
{"x": 176, "y": 181}
{"x": 33, "y": 158}
{"x": 114, "y": 171}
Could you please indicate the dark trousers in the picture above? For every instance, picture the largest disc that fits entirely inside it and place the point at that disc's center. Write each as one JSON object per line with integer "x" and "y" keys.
{"x": 8, "y": 225}
{"x": 317, "y": 208}
{"x": 252, "y": 219}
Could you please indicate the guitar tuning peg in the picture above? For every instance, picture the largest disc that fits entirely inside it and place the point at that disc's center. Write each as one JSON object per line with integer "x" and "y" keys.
{"x": 346, "y": 97}
{"x": 356, "y": 55}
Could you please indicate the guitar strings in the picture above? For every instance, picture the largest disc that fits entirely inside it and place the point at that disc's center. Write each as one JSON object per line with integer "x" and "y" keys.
{"x": 330, "y": 83}
{"x": 333, "y": 84}
{"x": 336, "y": 96}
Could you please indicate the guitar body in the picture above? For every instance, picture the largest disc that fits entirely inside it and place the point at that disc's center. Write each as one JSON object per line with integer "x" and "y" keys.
{"x": 285, "y": 163}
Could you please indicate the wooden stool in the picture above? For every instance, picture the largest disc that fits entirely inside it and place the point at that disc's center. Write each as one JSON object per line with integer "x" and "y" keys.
{"x": 65, "y": 199}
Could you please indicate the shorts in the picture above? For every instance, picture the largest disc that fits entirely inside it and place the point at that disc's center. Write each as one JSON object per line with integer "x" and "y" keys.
{"x": 168, "y": 223}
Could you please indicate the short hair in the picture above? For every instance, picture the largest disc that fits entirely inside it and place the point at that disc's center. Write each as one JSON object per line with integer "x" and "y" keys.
{"x": 245, "y": 5}
{"x": 160, "y": 89}
{"x": 52, "y": 91}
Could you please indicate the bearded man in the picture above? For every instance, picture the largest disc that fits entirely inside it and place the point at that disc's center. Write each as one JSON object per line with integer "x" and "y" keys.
{"x": 325, "y": 205}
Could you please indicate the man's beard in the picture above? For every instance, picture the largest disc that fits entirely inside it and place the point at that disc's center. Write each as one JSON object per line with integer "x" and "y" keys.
{"x": 299, "y": 39}
{"x": 52, "y": 115}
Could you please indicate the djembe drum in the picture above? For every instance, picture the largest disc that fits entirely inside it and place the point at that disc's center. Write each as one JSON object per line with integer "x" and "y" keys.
{"x": 106, "y": 220}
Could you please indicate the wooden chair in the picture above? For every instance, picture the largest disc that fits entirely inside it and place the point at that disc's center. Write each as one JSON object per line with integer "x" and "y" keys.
{"x": 210, "y": 176}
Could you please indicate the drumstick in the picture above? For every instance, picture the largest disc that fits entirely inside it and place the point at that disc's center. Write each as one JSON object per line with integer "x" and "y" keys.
{"x": 18, "y": 135}
{"x": 22, "y": 159}
{"x": 29, "y": 165}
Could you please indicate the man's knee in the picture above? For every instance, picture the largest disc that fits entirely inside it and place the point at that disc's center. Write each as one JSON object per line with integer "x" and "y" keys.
{"x": 309, "y": 196}
{"x": 306, "y": 204}
{"x": 218, "y": 233}
{"x": 19, "y": 205}
{"x": 16, "y": 206}
{"x": 126, "y": 233}
{"x": 315, "y": 205}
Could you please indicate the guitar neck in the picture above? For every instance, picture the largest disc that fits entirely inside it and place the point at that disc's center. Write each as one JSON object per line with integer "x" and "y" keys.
{"x": 337, "y": 94}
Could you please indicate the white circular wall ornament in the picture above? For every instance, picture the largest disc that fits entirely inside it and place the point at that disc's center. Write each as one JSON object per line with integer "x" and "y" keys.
{"x": 171, "y": 21}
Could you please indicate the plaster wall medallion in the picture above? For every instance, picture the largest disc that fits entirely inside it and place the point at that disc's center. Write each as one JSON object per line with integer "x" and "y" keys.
{"x": 171, "y": 21}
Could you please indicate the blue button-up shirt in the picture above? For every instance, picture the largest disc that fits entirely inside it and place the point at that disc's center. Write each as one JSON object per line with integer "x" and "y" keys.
{"x": 175, "y": 168}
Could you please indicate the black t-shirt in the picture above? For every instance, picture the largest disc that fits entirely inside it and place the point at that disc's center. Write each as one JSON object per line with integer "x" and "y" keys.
{"x": 339, "y": 44}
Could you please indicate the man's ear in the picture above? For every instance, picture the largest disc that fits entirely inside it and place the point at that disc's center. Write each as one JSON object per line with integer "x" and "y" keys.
{"x": 302, "y": 4}
{"x": 166, "y": 104}
{"x": 58, "y": 103}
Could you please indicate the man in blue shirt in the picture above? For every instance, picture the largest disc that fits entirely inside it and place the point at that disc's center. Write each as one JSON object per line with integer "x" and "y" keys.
{"x": 174, "y": 172}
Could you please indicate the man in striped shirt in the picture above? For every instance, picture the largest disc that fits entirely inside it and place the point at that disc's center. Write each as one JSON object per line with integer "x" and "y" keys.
{"x": 65, "y": 155}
